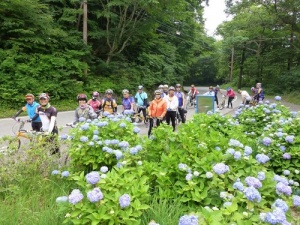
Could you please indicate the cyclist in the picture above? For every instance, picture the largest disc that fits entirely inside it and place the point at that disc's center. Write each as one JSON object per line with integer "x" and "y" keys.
{"x": 245, "y": 97}
{"x": 165, "y": 89}
{"x": 94, "y": 102}
{"x": 48, "y": 115}
{"x": 260, "y": 92}
{"x": 31, "y": 107}
{"x": 217, "y": 90}
{"x": 108, "y": 103}
{"x": 230, "y": 93}
{"x": 161, "y": 88}
{"x": 193, "y": 92}
{"x": 127, "y": 101}
{"x": 181, "y": 102}
{"x": 141, "y": 99}
{"x": 172, "y": 106}
{"x": 83, "y": 110}
{"x": 157, "y": 111}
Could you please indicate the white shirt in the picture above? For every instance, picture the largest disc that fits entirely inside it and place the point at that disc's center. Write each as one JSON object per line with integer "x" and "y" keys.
{"x": 209, "y": 93}
{"x": 245, "y": 96}
{"x": 172, "y": 102}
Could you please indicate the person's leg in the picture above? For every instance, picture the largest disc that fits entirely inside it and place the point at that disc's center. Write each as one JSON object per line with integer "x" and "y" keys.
{"x": 231, "y": 98}
{"x": 168, "y": 117}
{"x": 217, "y": 101}
{"x": 36, "y": 126}
{"x": 150, "y": 126}
{"x": 181, "y": 112}
{"x": 144, "y": 114}
{"x": 54, "y": 141}
{"x": 173, "y": 117}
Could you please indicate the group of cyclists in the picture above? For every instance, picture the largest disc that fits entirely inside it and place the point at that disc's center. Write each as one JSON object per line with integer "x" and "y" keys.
{"x": 168, "y": 102}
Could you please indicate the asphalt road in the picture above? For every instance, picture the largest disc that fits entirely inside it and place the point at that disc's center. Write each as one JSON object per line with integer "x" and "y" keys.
{"x": 9, "y": 127}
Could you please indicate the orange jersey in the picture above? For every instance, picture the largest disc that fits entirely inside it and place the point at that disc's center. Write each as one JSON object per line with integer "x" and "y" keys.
{"x": 158, "y": 108}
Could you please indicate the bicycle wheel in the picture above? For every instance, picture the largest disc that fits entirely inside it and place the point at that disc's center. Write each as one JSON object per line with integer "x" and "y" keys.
{"x": 14, "y": 144}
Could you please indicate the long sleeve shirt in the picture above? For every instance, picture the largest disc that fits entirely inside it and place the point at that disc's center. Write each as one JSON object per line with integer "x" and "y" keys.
{"x": 172, "y": 103}
{"x": 158, "y": 108}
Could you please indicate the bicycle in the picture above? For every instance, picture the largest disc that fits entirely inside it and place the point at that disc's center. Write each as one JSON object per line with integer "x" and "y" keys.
{"x": 32, "y": 136}
{"x": 139, "y": 117}
{"x": 222, "y": 103}
{"x": 178, "y": 118}
{"x": 190, "y": 102}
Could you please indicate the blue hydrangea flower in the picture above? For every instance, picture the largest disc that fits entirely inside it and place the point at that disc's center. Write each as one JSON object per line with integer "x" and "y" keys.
{"x": 91, "y": 143}
{"x": 85, "y": 126}
{"x": 84, "y": 139}
{"x": 114, "y": 142}
{"x": 279, "y": 203}
{"x": 182, "y": 166}
{"x": 261, "y": 176}
{"x": 218, "y": 148}
{"x": 238, "y": 185}
{"x": 230, "y": 151}
{"x": 133, "y": 151}
{"x": 188, "y": 220}
{"x": 55, "y": 172}
{"x": 227, "y": 204}
{"x": 248, "y": 151}
{"x": 118, "y": 154}
{"x": 296, "y": 200}
{"x": 282, "y": 148}
{"x": 278, "y": 179}
{"x": 62, "y": 199}
{"x": 123, "y": 144}
{"x": 252, "y": 194}
{"x": 95, "y": 137}
{"x": 103, "y": 169}
{"x": 220, "y": 168}
{"x": 119, "y": 165}
{"x": 92, "y": 177}
{"x": 128, "y": 112}
{"x": 139, "y": 147}
{"x": 294, "y": 113}
{"x": 81, "y": 119}
{"x": 136, "y": 130}
{"x": 267, "y": 141}
{"x": 189, "y": 176}
{"x": 286, "y": 156}
{"x": 289, "y": 139}
{"x": 95, "y": 132}
{"x": 275, "y": 217}
{"x": 237, "y": 155}
{"x": 75, "y": 196}
{"x": 124, "y": 201}
{"x": 253, "y": 182}
{"x": 95, "y": 195}
{"x": 277, "y": 98}
{"x": 279, "y": 134}
{"x": 286, "y": 172}
{"x": 262, "y": 158}
{"x": 122, "y": 125}
{"x": 65, "y": 173}
{"x": 281, "y": 188}
{"x": 63, "y": 137}
{"x": 236, "y": 143}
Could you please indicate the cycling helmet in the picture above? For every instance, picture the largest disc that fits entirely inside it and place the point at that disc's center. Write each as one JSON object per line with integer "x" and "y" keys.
{"x": 160, "y": 86}
{"x": 140, "y": 87}
{"x": 44, "y": 95}
{"x": 211, "y": 87}
{"x": 157, "y": 92}
{"x": 178, "y": 85}
{"x": 125, "y": 91}
{"x": 171, "y": 88}
{"x": 239, "y": 91}
{"x": 95, "y": 94}
{"x": 81, "y": 97}
{"x": 228, "y": 89}
{"x": 252, "y": 88}
{"x": 166, "y": 86}
{"x": 109, "y": 91}
{"x": 192, "y": 86}
{"x": 29, "y": 96}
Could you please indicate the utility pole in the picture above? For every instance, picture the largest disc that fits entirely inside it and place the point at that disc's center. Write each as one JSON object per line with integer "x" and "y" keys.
{"x": 85, "y": 29}
{"x": 231, "y": 64}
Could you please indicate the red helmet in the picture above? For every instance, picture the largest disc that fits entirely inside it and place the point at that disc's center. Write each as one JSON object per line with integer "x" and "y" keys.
{"x": 81, "y": 97}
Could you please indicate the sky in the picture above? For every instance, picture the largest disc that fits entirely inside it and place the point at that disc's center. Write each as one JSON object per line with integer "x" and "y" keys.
{"x": 214, "y": 15}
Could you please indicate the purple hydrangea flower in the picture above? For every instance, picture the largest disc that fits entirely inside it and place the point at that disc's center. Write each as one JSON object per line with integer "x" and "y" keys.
{"x": 286, "y": 156}
{"x": 252, "y": 194}
{"x": 133, "y": 151}
{"x": 296, "y": 200}
{"x": 188, "y": 220}
{"x": 139, "y": 147}
{"x": 279, "y": 134}
{"x": 85, "y": 126}
{"x": 118, "y": 154}
{"x": 81, "y": 119}
{"x": 289, "y": 139}
{"x": 84, "y": 139}
{"x": 122, "y": 125}
{"x": 95, "y": 195}
{"x": 261, "y": 175}
{"x": 114, "y": 142}
{"x": 220, "y": 168}
{"x": 63, "y": 137}
{"x": 238, "y": 185}
{"x": 55, "y": 172}
{"x": 253, "y": 182}
{"x": 136, "y": 130}
{"x": 75, "y": 196}
{"x": 230, "y": 151}
{"x": 189, "y": 176}
{"x": 95, "y": 137}
{"x": 65, "y": 173}
{"x": 281, "y": 188}
{"x": 279, "y": 203}
{"x": 103, "y": 169}
{"x": 275, "y": 217}
{"x": 262, "y": 158}
{"x": 123, "y": 144}
{"x": 278, "y": 179}
{"x": 282, "y": 148}
{"x": 277, "y": 98}
{"x": 248, "y": 151}
{"x": 124, "y": 201}
{"x": 95, "y": 132}
{"x": 128, "y": 112}
{"x": 92, "y": 177}
{"x": 267, "y": 141}
{"x": 237, "y": 155}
